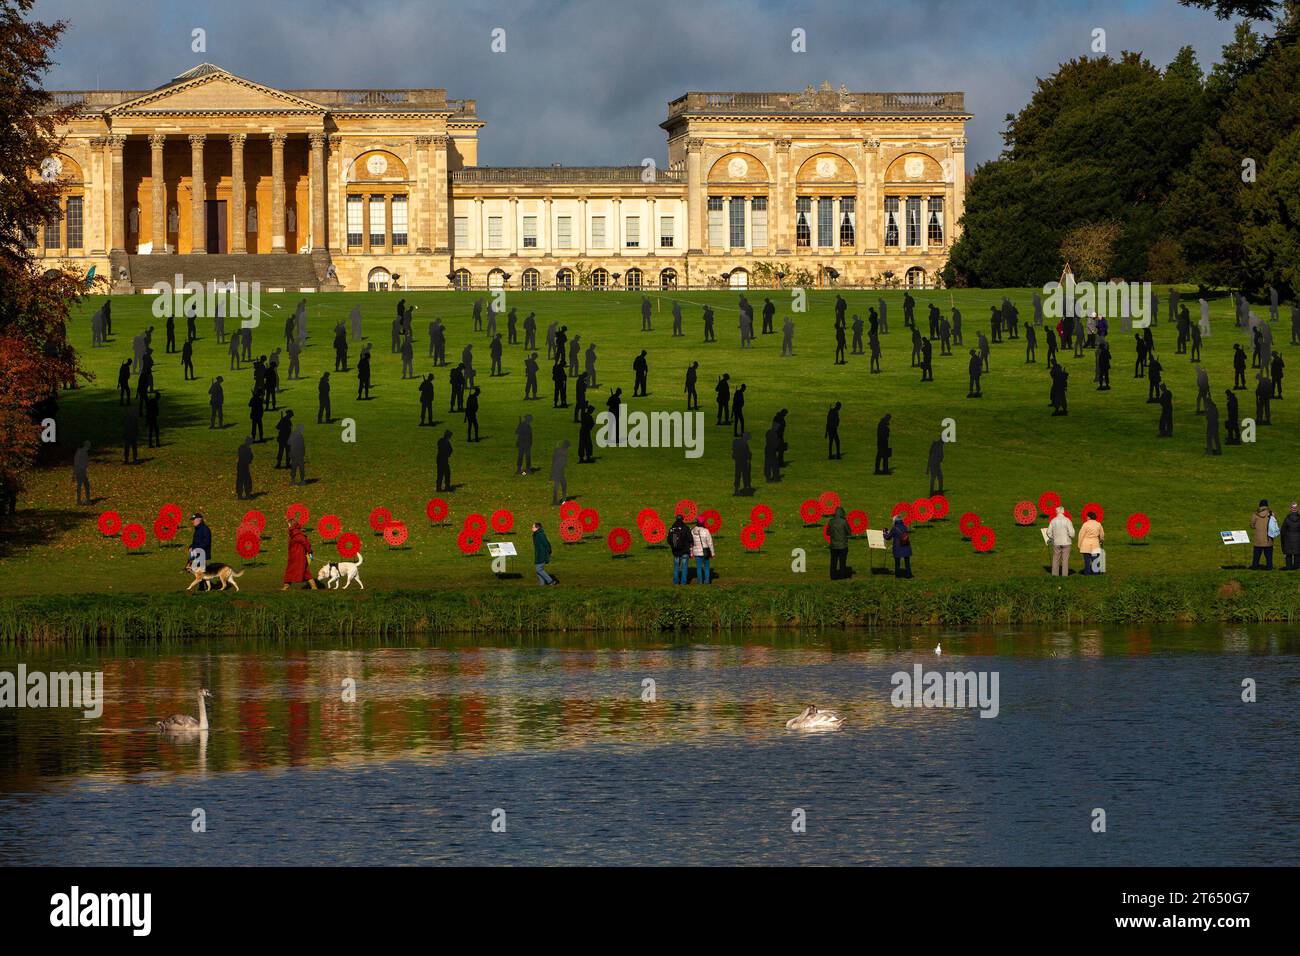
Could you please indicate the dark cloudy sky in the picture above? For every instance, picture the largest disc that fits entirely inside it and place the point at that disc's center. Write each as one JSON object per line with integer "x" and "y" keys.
{"x": 587, "y": 82}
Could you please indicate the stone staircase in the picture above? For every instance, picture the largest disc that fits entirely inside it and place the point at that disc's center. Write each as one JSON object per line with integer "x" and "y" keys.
{"x": 288, "y": 272}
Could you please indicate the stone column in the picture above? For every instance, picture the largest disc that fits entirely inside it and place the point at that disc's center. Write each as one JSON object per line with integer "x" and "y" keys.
{"x": 423, "y": 197}
{"x": 441, "y": 197}
{"x": 544, "y": 240}
{"x": 652, "y": 246}
{"x": 158, "y": 200}
{"x": 198, "y": 196}
{"x": 117, "y": 194}
{"x": 238, "y": 195}
{"x": 338, "y": 198}
{"x": 317, "y": 190}
{"x": 781, "y": 205}
{"x": 867, "y": 214}
{"x": 96, "y": 222}
{"x": 696, "y": 227}
{"x": 277, "y": 192}
{"x": 958, "y": 203}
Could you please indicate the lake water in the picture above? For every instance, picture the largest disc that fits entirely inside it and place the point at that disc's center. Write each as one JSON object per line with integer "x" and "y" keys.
{"x": 553, "y": 738}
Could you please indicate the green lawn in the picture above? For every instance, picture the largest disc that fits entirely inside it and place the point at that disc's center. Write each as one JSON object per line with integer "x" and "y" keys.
{"x": 1008, "y": 447}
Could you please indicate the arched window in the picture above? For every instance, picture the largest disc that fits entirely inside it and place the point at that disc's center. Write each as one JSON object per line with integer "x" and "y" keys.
{"x": 916, "y": 278}
{"x": 632, "y": 280}
{"x": 530, "y": 280}
{"x": 668, "y": 279}
{"x": 496, "y": 279}
{"x": 460, "y": 280}
{"x": 599, "y": 279}
{"x": 739, "y": 279}
{"x": 564, "y": 280}
{"x": 378, "y": 280}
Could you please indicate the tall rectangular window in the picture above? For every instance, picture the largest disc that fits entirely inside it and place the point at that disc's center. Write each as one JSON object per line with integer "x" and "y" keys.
{"x": 913, "y": 220}
{"x": 52, "y": 232}
{"x": 377, "y": 223}
{"x": 934, "y": 229}
{"x": 462, "y": 232}
{"x": 530, "y": 232}
{"x": 399, "y": 220}
{"x": 632, "y": 232}
{"x": 737, "y": 236}
{"x": 848, "y": 221}
{"x": 716, "y": 234}
{"x": 354, "y": 220}
{"x": 802, "y": 221}
{"x": 598, "y": 232}
{"x": 564, "y": 232}
{"x": 74, "y": 226}
{"x": 666, "y": 230}
{"x": 891, "y": 221}
{"x": 825, "y": 222}
{"x": 758, "y": 221}
{"x": 494, "y": 240}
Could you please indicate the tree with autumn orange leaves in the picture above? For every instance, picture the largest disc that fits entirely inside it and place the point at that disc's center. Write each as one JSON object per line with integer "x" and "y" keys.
{"x": 36, "y": 358}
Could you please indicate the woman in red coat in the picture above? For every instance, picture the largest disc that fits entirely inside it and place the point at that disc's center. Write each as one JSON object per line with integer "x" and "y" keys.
{"x": 298, "y": 569}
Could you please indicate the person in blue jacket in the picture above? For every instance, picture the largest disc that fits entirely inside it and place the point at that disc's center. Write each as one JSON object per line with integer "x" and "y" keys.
{"x": 901, "y": 540}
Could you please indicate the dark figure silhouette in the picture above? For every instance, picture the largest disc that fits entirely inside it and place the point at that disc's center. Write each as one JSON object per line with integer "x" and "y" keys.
{"x": 677, "y": 320}
{"x": 983, "y": 343}
{"x": 857, "y": 325}
{"x": 363, "y": 374}
{"x": 1140, "y": 364}
{"x": 187, "y": 361}
{"x": 130, "y": 437}
{"x": 769, "y": 312}
{"x": 975, "y": 367}
{"x": 151, "y": 411}
{"x": 1154, "y": 368}
{"x": 216, "y": 404}
{"x": 708, "y": 325}
{"x": 909, "y": 310}
{"x": 456, "y": 378}
{"x": 512, "y": 326}
{"x": 927, "y": 364}
{"x": 494, "y": 352}
{"x": 645, "y": 315}
{"x": 426, "y": 400}
{"x": 1277, "y": 368}
{"x": 1263, "y": 400}
{"x": 883, "y": 451}
{"x": 1103, "y": 366}
{"x": 298, "y": 457}
{"x": 692, "y": 377}
{"x": 916, "y": 348}
{"x": 587, "y": 426}
{"x": 1031, "y": 345}
{"x": 741, "y": 457}
{"x": 530, "y": 331}
{"x": 444, "y": 462}
{"x": 560, "y": 380}
{"x": 833, "y": 432}
{"x": 471, "y": 415}
{"x": 1166, "y": 429}
{"x": 738, "y": 411}
{"x": 171, "y": 335}
{"x": 1202, "y": 389}
{"x": 1212, "y": 428}
{"x": 1051, "y": 347}
{"x": 772, "y": 455}
{"x": 124, "y": 383}
{"x": 81, "y": 472}
{"x": 723, "y": 392}
{"x": 256, "y": 408}
{"x": 840, "y": 344}
{"x": 524, "y": 445}
{"x": 873, "y": 340}
{"x": 641, "y": 372}
{"x": 1232, "y": 423}
{"x": 1060, "y": 384}
{"x": 530, "y": 377}
{"x": 324, "y": 414}
{"x": 934, "y": 466}
{"x": 1238, "y": 366}
{"x": 778, "y": 421}
{"x": 340, "y": 349}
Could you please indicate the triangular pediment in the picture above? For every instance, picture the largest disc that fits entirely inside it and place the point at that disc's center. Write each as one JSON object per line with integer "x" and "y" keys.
{"x": 214, "y": 90}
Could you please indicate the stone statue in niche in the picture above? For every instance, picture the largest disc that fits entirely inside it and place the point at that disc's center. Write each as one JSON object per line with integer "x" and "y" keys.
{"x": 133, "y": 220}
{"x": 252, "y": 218}
{"x": 291, "y": 219}
{"x": 173, "y": 220}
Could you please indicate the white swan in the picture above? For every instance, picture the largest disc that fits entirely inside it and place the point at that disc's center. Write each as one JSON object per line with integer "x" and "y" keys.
{"x": 814, "y": 719}
{"x": 182, "y": 722}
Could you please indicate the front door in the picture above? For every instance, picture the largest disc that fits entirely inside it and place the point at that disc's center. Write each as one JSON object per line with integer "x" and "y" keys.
{"x": 216, "y": 226}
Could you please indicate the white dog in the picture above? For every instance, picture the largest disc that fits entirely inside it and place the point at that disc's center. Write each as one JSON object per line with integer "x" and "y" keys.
{"x": 344, "y": 572}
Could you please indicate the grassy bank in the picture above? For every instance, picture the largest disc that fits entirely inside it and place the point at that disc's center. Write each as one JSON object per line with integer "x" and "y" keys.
{"x": 869, "y": 603}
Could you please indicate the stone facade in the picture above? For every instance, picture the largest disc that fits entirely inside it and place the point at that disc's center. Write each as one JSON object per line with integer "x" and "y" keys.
{"x": 385, "y": 187}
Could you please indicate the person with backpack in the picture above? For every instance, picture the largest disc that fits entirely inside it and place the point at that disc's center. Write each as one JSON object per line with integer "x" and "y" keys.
{"x": 702, "y": 548}
{"x": 679, "y": 541}
{"x": 901, "y": 541}
{"x": 1263, "y": 529}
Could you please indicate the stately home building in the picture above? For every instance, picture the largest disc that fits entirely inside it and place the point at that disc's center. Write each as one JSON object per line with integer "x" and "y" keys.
{"x": 214, "y": 176}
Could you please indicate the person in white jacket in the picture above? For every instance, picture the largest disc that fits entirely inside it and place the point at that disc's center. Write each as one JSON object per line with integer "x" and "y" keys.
{"x": 1060, "y": 534}
{"x": 702, "y": 549}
